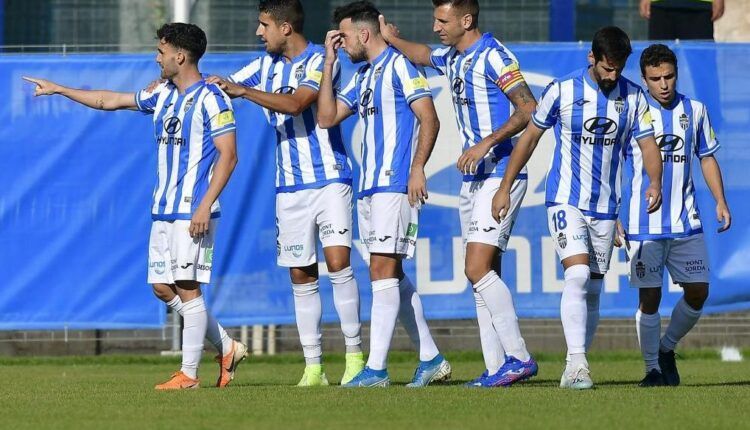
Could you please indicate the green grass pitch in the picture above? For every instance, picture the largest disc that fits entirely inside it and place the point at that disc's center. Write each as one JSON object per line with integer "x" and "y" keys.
{"x": 116, "y": 392}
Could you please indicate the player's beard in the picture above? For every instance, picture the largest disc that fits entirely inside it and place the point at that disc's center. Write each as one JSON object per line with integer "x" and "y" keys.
{"x": 358, "y": 53}
{"x": 607, "y": 85}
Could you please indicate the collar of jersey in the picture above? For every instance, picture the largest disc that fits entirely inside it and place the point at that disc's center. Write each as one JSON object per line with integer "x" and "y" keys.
{"x": 192, "y": 87}
{"x": 656, "y": 105}
{"x": 478, "y": 44}
{"x": 302, "y": 54}
{"x": 382, "y": 55}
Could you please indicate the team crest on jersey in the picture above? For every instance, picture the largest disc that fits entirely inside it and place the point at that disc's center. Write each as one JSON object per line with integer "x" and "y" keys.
{"x": 467, "y": 64}
{"x": 562, "y": 240}
{"x": 684, "y": 121}
{"x": 188, "y": 104}
{"x": 299, "y": 72}
{"x": 640, "y": 269}
{"x": 376, "y": 74}
{"x": 619, "y": 104}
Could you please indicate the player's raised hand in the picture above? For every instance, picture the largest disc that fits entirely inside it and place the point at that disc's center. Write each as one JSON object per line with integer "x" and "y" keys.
{"x": 389, "y": 31}
{"x": 653, "y": 197}
{"x": 333, "y": 42}
{"x": 500, "y": 204}
{"x": 155, "y": 83}
{"x": 723, "y": 216}
{"x": 233, "y": 90}
{"x": 199, "y": 222}
{"x": 417, "y": 187}
{"x": 469, "y": 161}
{"x": 645, "y": 9}
{"x": 43, "y": 86}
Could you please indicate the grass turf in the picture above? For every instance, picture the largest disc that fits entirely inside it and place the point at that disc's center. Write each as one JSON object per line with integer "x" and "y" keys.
{"x": 115, "y": 392}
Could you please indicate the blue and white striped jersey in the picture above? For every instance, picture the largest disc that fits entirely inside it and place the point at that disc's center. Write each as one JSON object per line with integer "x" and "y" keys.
{"x": 480, "y": 77}
{"x": 184, "y": 127}
{"x": 592, "y": 130}
{"x": 683, "y": 130}
{"x": 380, "y": 94}
{"x": 307, "y": 156}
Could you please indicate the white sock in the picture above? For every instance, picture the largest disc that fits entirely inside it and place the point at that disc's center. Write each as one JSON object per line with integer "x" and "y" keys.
{"x": 492, "y": 348}
{"x": 215, "y": 333}
{"x": 346, "y": 301}
{"x": 593, "y": 293}
{"x": 308, "y": 312}
{"x": 683, "y": 319}
{"x": 648, "y": 327}
{"x": 411, "y": 315}
{"x": 573, "y": 313}
{"x": 385, "y": 304}
{"x": 499, "y": 302}
{"x": 193, "y": 333}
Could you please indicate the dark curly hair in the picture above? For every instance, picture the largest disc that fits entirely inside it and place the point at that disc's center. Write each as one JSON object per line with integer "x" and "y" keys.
{"x": 611, "y": 42}
{"x": 188, "y": 37}
{"x": 359, "y": 11}
{"x": 655, "y": 55}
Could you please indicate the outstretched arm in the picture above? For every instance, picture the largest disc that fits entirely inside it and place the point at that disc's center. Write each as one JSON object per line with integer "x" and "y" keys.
{"x": 712, "y": 175}
{"x": 290, "y": 104}
{"x": 97, "y": 99}
{"x": 416, "y": 52}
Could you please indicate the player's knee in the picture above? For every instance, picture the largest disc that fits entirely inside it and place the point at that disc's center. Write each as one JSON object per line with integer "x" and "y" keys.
{"x": 337, "y": 264}
{"x": 649, "y": 299}
{"x": 303, "y": 275}
{"x": 383, "y": 268}
{"x": 475, "y": 270}
{"x": 163, "y": 292}
{"x": 696, "y": 295}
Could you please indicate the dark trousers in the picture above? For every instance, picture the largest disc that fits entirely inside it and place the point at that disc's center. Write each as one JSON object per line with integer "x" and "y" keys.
{"x": 675, "y": 23}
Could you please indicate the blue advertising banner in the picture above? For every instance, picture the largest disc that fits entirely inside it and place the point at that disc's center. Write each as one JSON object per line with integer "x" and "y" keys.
{"x": 74, "y": 214}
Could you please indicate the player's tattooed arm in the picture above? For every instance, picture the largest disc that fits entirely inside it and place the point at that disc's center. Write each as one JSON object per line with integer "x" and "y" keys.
{"x": 417, "y": 53}
{"x": 96, "y": 99}
{"x": 524, "y": 103}
{"x": 331, "y": 111}
{"x": 429, "y": 126}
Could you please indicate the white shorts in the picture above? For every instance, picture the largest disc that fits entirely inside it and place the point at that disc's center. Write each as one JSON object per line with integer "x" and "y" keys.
{"x": 475, "y": 212}
{"x": 686, "y": 258}
{"x": 575, "y": 233}
{"x": 175, "y": 256}
{"x": 303, "y": 215}
{"x": 387, "y": 224}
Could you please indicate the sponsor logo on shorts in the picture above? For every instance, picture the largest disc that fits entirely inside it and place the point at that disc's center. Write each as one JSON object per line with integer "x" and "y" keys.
{"x": 204, "y": 267}
{"x": 384, "y": 238}
{"x": 473, "y": 228}
{"x": 695, "y": 266}
{"x": 411, "y": 230}
{"x": 640, "y": 269}
{"x": 562, "y": 240}
{"x": 296, "y": 250}
{"x": 598, "y": 257}
{"x": 186, "y": 265}
{"x": 343, "y": 231}
{"x": 208, "y": 257}
{"x": 158, "y": 267}
{"x": 327, "y": 230}
{"x": 488, "y": 229}
{"x": 580, "y": 237}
